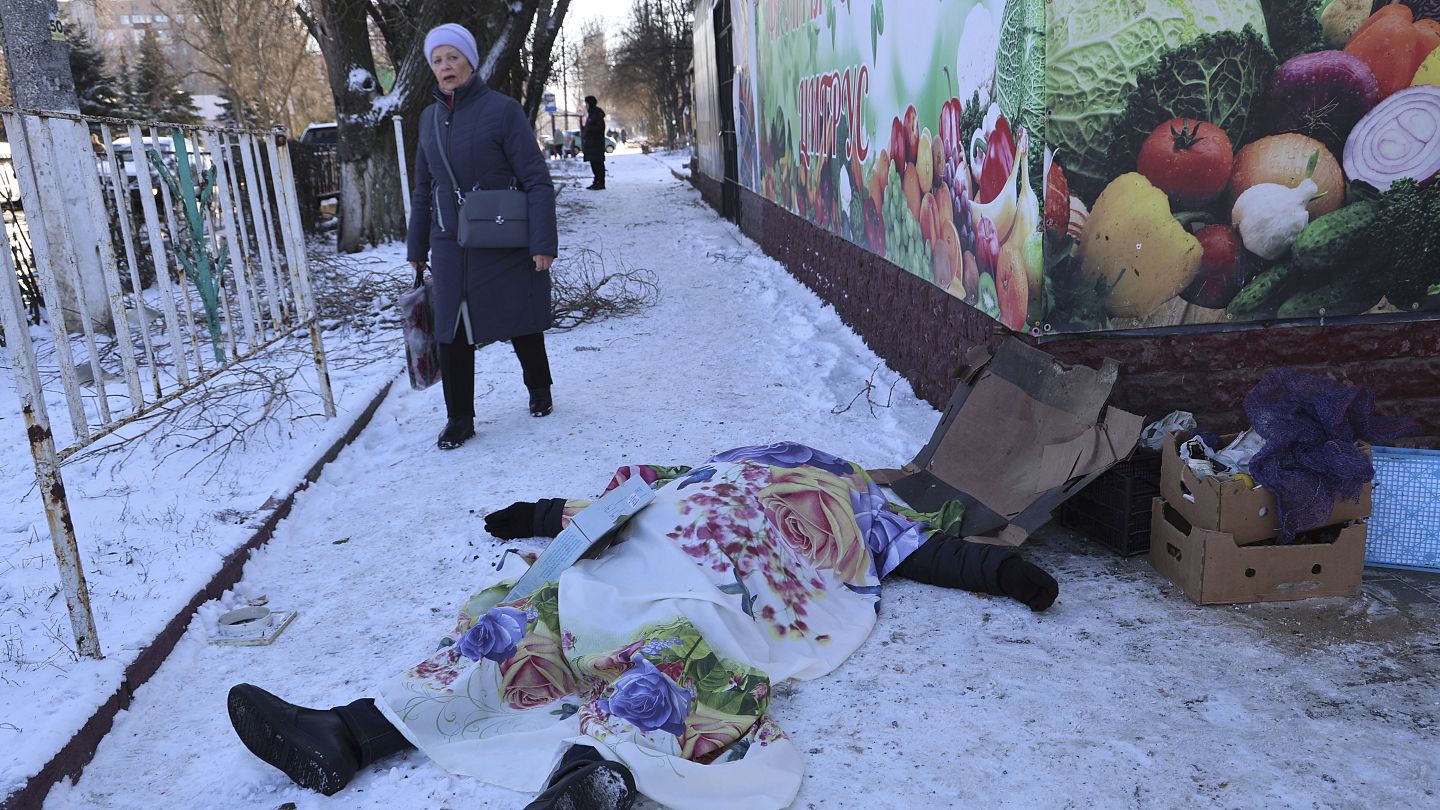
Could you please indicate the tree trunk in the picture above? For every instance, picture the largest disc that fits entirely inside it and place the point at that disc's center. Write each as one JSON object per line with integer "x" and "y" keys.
{"x": 38, "y": 66}
{"x": 550, "y": 15}
{"x": 387, "y": 210}
{"x": 340, "y": 27}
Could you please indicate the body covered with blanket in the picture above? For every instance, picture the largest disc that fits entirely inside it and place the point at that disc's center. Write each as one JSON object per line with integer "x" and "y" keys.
{"x": 650, "y": 668}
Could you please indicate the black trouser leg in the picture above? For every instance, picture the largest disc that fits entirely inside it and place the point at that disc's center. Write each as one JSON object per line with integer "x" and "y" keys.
{"x": 954, "y": 563}
{"x": 457, "y": 377}
{"x": 374, "y": 736}
{"x": 982, "y": 567}
{"x": 534, "y": 363}
{"x": 597, "y": 166}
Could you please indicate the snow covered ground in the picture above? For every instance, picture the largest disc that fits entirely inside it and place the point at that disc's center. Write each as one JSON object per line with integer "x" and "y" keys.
{"x": 1124, "y": 694}
{"x": 155, "y": 516}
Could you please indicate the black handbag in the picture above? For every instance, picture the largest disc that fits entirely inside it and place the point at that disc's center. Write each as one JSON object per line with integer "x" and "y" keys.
{"x": 489, "y": 218}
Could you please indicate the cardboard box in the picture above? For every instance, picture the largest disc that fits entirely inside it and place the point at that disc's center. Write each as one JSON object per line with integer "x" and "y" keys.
{"x": 1022, "y": 433}
{"x": 1212, "y": 568}
{"x": 588, "y": 527}
{"x": 1228, "y": 505}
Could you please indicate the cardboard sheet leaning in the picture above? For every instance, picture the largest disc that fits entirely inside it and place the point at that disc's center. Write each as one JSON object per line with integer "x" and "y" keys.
{"x": 1022, "y": 433}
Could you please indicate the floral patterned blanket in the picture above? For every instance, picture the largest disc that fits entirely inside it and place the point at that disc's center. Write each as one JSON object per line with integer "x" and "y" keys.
{"x": 761, "y": 565}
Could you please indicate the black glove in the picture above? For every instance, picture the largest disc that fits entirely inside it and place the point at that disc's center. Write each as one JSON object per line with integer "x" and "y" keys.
{"x": 526, "y": 519}
{"x": 1029, "y": 583}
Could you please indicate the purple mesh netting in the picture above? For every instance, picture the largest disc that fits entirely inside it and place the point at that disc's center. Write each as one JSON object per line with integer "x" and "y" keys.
{"x": 1310, "y": 425}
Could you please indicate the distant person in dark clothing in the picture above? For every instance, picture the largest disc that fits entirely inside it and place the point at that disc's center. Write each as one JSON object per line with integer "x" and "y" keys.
{"x": 592, "y": 141}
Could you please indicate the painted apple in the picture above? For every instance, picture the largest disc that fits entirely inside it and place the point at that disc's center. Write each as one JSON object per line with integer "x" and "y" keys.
{"x": 1224, "y": 268}
{"x": 912, "y": 132}
{"x": 899, "y": 141}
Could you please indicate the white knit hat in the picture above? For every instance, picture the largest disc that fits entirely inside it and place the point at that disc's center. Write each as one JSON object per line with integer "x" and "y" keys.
{"x": 455, "y": 36}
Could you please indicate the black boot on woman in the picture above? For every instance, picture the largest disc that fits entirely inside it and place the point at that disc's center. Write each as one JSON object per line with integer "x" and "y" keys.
{"x": 456, "y": 433}
{"x": 319, "y": 749}
{"x": 584, "y": 780}
{"x": 540, "y": 402}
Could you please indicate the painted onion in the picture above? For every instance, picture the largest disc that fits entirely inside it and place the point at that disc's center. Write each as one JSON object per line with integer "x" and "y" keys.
{"x": 1399, "y": 138}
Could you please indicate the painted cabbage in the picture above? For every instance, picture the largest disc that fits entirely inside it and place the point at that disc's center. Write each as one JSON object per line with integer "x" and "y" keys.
{"x": 1094, "y": 51}
{"x": 1020, "y": 68}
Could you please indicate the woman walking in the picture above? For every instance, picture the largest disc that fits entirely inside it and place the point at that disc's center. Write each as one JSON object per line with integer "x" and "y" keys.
{"x": 481, "y": 294}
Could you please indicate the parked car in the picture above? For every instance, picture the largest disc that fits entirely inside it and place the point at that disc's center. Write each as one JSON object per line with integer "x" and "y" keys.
{"x": 324, "y": 133}
{"x": 165, "y": 146}
{"x": 572, "y": 136}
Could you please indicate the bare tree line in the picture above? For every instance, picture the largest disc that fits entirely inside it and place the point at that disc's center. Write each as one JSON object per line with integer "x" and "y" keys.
{"x": 649, "y": 70}
{"x": 259, "y": 51}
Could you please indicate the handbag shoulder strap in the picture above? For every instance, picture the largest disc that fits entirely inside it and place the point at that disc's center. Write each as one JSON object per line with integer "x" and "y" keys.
{"x": 445, "y": 158}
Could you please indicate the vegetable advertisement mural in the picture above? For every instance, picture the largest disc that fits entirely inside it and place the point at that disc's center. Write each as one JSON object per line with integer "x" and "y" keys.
{"x": 1070, "y": 165}
{"x": 912, "y": 128}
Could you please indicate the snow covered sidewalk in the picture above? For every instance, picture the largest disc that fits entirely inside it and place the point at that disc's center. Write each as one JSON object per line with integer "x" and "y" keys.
{"x": 1123, "y": 694}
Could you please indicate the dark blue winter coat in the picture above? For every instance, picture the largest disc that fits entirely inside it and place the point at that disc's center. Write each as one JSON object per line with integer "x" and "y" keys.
{"x": 490, "y": 144}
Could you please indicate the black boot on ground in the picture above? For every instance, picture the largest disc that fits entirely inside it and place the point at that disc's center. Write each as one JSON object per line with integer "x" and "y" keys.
{"x": 584, "y": 780}
{"x": 540, "y": 402}
{"x": 456, "y": 432}
{"x": 319, "y": 749}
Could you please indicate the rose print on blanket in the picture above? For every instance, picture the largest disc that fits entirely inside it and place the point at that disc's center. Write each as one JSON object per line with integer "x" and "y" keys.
{"x": 649, "y": 699}
{"x": 495, "y": 636}
{"x": 787, "y": 455}
{"x": 709, "y": 732}
{"x": 890, "y": 537}
{"x": 537, "y": 673}
{"x": 812, "y": 512}
{"x": 791, "y": 543}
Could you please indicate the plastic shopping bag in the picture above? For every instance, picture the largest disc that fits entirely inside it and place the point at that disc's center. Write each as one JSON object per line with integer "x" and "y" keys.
{"x": 422, "y": 352}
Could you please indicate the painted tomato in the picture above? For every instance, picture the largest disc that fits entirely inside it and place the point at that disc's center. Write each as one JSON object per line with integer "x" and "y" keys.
{"x": 1187, "y": 159}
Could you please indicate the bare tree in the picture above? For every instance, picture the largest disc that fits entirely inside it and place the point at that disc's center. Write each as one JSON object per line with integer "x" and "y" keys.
{"x": 263, "y": 57}
{"x": 592, "y": 60}
{"x": 548, "y": 20}
{"x": 370, "y": 208}
{"x": 651, "y": 63}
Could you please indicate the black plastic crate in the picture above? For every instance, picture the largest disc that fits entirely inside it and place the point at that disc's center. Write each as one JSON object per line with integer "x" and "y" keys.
{"x": 1114, "y": 510}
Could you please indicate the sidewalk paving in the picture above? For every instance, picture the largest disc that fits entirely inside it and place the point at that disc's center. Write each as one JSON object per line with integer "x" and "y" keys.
{"x": 1124, "y": 694}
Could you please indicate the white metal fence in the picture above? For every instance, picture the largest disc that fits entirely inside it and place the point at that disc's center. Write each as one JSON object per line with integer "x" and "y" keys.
{"x": 163, "y": 255}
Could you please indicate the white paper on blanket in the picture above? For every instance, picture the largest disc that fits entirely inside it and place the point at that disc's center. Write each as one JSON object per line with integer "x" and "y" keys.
{"x": 588, "y": 527}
